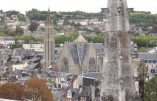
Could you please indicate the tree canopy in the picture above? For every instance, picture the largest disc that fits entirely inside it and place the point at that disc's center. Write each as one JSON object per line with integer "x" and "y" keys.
{"x": 150, "y": 90}
{"x": 38, "y": 89}
{"x": 33, "y": 26}
{"x": 145, "y": 41}
{"x": 34, "y": 88}
{"x": 143, "y": 19}
{"x": 12, "y": 91}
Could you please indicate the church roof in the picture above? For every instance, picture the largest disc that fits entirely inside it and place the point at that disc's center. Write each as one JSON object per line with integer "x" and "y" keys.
{"x": 79, "y": 54}
{"x": 80, "y": 38}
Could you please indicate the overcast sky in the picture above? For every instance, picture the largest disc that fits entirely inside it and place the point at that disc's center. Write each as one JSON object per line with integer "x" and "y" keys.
{"x": 73, "y": 5}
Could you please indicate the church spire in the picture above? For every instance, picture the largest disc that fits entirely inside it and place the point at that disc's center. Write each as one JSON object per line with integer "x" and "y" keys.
{"x": 49, "y": 42}
{"x": 48, "y": 22}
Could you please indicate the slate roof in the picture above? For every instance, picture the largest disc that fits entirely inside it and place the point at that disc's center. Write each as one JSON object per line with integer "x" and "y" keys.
{"x": 79, "y": 53}
{"x": 147, "y": 56}
{"x": 49, "y": 73}
{"x": 73, "y": 50}
{"x": 7, "y": 38}
{"x": 99, "y": 48}
{"x": 93, "y": 75}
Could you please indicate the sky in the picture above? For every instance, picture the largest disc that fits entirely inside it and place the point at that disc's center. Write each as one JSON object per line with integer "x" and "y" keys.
{"x": 73, "y": 5}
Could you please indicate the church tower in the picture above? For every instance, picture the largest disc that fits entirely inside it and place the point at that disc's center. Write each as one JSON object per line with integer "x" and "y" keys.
{"x": 49, "y": 43}
{"x": 117, "y": 83}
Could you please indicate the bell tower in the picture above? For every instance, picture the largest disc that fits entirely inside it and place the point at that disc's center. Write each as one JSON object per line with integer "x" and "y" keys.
{"x": 117, "y": 83}
{"x": 49, "y": 43}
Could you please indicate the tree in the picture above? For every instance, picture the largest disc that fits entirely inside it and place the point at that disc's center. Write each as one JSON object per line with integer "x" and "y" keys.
{"x": 150, "y": 90}
{"x": 143, "y": 49}
{"x": 33, "y": 26}
{"x": 38, "y": 90}
{"x": 66, "y": 22}
{"x": 11, "y": 91}
{"x": 145, "y": 41}
{"x": 33, "y": 14}
{"x": 13, "y": 12}
{"x": 21, "y": 17}
{"x": 19, "y": 30}
{"x": 97, "y": 31}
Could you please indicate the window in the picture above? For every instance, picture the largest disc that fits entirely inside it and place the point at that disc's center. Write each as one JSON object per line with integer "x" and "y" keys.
{"x": 92, "y": 64}
{"x": 154, "y": 61}
{"x": 145, "y": 61}
{"x": 65, "y": 64}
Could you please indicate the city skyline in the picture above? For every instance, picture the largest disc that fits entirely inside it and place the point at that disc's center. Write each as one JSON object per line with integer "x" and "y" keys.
{"x": 72, "y": 5}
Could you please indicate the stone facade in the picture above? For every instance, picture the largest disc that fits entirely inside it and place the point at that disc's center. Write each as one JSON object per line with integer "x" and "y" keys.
{"x": 118, "y": 84}
{"x": 49, "y": 43}
{"x": 80, "y": 56}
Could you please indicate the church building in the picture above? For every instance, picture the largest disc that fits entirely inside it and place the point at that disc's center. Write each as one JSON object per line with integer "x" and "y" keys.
{"x": 80, "y": 56}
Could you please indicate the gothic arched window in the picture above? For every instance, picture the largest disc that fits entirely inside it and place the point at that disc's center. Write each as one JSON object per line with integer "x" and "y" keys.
{"x": 92, "y": 64}
{"x": 65, "y": 64}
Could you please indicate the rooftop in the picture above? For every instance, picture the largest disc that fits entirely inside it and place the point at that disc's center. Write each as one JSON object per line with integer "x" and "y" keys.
{"x": 80, "y": 38}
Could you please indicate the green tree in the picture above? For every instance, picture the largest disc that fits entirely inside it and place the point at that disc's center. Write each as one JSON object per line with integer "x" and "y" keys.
{"x": 19, "y": 30}
{"x": 2, "y": 34}
{"x": 143, "y": 19}
{"x": 33, "y": 26}
{"x": 150, "y": 90}
{"x": 34, "y": 14}
{"x": 12, "y": 12}
{"x": 143, "y": 49}
{"x": 97, "y": 31}
{"x": 145, "y": 41}
{"x": 21, "y": 17}
{"x": 66, "y": 22}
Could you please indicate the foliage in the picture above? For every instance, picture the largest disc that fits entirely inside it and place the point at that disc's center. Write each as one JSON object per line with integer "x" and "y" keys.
{"x": 94, "y": 39}
{"x": 33, "y": 88}
{"x": 35, "y": 14}
{"x": 143, "y": 19}
{"x": 21, "y": 17}
{"x": 38, "y": 89}
{"x": 145, "y": 41}
{"x": 11, "y": 91}
{"x": 13, "y": 12}
{"x": 97, "y": 31}
{"x": 66, "y": 22}
{"x": 2, "y": 34}
{"x": 63, "y": 38}
{"x": 19, "y": 30}
{"x": 143, "y": 49}
{"x": 60, "y": 39}
{"x": 8, "y": 32}
{"x": 150, "y": 90}
{"x": 33, "y": 26}
{"x": 29, "y": 38}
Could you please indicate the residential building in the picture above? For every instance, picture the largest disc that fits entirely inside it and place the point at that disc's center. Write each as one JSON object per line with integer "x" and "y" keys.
{"x": 149, "y": 58}
{"x": 35, "y": 47}
{"x": 7, "y": 40}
